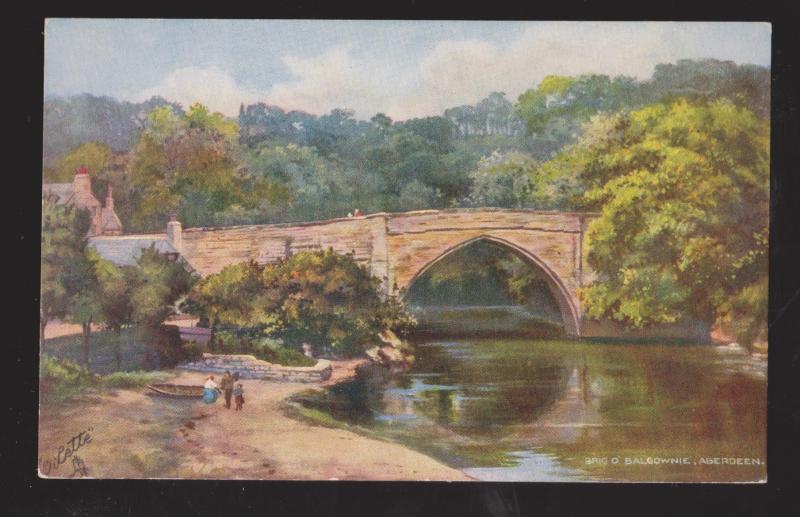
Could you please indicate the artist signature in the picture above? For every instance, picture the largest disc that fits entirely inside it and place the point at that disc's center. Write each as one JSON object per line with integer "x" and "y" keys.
{"x": 66, "y": 453}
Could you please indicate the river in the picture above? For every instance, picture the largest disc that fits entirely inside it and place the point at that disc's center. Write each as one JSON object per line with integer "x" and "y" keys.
{"x": 562, "y": 410}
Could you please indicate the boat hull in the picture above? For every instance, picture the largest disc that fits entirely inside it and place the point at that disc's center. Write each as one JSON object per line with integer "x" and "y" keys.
{"x": 177, "y": 390}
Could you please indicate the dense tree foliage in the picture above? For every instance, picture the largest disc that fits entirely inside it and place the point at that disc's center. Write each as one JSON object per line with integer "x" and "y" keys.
{"x": 184, "y": 164}
{"x": 144, "y": 294}
{"x": 577, "y": 98}
{"x": 683, "y": 193}
{"x": 71, "y": 122}
{"x": 272, "y": 165}
{"x": 483, "y": 273}
{"x": 64, "y": 237}
{"x": 322, "y": 298}
{"x": 95, "y": 156}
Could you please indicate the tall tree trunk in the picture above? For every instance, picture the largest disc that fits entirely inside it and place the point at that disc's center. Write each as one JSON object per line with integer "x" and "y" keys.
{"x": 133, "y": 338}
{"x": 119, "y": 348}
{"x": 87, "y": 329}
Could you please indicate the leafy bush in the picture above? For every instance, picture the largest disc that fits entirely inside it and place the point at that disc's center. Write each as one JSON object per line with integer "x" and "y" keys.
{"x": 252, "y": 341}
{"x": 744, "y": 315}
{"x": 229, "y": 342}
{"x": 321, "y": 298}
{"x": 167, "y": 343}
{"x": 274, "y": 351}
{"x": 60, "y": 379}
{"x": 135, "y": 379}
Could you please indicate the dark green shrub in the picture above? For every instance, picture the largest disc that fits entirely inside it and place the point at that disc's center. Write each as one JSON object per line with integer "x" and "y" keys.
{"x": 322, "y": 298}
{"x": 228, "y": 342}
{"x": 275, "y": 351}
{"x": 60, "y": 379}
{"x": 167, "y": 343}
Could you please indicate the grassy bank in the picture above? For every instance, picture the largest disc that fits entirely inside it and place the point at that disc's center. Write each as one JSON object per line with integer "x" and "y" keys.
{"x": 61, "y": 380}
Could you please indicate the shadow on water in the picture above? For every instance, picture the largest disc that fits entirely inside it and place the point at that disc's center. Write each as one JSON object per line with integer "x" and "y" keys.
{"x": 524, "y": 409}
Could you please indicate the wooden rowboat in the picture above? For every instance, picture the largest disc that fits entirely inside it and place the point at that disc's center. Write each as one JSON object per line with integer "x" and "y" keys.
{"x": 177, "y": 390}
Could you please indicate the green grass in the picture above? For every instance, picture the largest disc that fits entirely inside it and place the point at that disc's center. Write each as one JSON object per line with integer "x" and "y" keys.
{"x": 137, "y": 379}
{"x": 316, "y": 417}
{"x": 287, "y": 357}
{"x": 62, "y": 379}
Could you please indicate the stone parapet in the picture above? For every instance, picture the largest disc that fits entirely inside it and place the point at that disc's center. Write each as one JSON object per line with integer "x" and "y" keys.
{"x": 249, "y": 367}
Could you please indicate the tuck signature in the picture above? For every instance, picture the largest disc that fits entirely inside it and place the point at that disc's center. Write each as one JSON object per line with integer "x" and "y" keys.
{"x": 67, "y": 452}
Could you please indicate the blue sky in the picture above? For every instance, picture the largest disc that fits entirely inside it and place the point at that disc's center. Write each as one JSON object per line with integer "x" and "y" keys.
{"x": 402, "y": 68}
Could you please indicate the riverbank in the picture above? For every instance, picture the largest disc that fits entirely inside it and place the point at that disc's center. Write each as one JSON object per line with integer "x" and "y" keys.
{"x": 136, "y": 435}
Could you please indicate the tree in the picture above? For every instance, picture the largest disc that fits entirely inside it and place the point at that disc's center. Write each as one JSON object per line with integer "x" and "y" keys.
{"x": 115, "y": 298}
{"x": 71, "y": 122}
{"x": 464, "y": 118}
{"x": 64, "y": 234}
{"x": 578, "y": 98}
{"x": 95, "y": 156}
{"x": 747, "y": 86}
{"x": 84, "y": 304}
{"x": 158, "y": 284}
{"x": 683, "y": 192}
{"x": 503, "y": 180}
{"x": 323, "y": 298}
{"x": 184, "y": 164}
{"x": 437, "y": 132}
{"x": 382, "y": 123}
{"x": 332, "y": 302}
{"x": 235, "y": 297}
{"x": 497, "y": 112}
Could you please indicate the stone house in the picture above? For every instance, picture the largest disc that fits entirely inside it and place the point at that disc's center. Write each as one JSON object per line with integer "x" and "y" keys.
{"x": 104, "y": 220}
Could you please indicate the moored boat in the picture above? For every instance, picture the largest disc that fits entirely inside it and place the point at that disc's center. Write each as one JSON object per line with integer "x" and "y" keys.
{"x": 177, "y": 390}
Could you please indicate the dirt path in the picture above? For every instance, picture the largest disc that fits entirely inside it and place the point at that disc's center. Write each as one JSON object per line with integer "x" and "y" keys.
{"x": 135, "y": 435}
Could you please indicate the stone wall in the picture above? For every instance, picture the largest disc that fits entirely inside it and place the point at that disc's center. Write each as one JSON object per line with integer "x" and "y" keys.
{"x": 251, "y": 368}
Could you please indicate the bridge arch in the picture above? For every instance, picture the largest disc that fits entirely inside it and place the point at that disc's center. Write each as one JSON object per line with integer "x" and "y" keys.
{"x": 567, "y": 305}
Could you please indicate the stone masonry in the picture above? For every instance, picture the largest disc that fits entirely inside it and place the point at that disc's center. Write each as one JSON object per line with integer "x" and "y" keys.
{"x": 395, "y": 247}
{"x": 251, "y": 368}
{"x": 398, "y": 247}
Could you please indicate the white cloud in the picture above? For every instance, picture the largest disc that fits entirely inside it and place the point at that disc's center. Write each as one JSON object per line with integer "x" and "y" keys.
{"x": 336, "y": 79}
{"x": 461, "y": 72}
{"x": 454, "y": 72}
{"x": 333, "y": 79}
{"x": 211, "y": 86}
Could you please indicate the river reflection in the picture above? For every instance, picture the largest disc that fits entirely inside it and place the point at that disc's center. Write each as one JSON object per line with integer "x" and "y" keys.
{"x": 515, "y": 409}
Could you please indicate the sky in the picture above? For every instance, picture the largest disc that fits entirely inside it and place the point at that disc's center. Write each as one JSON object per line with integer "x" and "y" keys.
{"x": 404, "y": 69}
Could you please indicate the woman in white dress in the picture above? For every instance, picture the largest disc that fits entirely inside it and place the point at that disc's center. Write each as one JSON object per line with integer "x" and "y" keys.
{"x": 210, "y": 390}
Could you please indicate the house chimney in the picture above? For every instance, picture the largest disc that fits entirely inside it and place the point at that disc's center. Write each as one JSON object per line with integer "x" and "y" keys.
{"x": 82, "y": 183}
{"x": 109, "y": 198}
{"x": 175, "y": 233}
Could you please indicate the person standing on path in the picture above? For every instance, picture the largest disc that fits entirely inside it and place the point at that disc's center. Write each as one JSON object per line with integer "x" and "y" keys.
{"x": 210, "y": 390}
{"x": 226, "y": 385}
{"x": 238, "y": 393}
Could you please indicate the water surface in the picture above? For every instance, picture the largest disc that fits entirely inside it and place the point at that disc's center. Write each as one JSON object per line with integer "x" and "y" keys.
{"x": 533, "y": 410}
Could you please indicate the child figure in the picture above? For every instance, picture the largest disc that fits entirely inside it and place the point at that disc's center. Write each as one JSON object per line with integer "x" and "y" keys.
{"x": 238, "y": 394}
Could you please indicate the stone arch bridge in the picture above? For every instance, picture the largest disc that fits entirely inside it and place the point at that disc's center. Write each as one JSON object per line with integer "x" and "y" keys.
{"x": 398, "y": 247}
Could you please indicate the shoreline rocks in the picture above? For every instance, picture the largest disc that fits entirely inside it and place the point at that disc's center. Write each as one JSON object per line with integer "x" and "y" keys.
{"x": 249, "y": 367}
{"x": 394, "y": 354}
